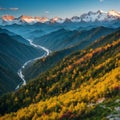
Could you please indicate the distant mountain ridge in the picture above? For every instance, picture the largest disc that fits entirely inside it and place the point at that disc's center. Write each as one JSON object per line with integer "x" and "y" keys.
{"x": 62, "y": 38}
{"x": 98, "y": 16}
{"x": 14, "y": 36}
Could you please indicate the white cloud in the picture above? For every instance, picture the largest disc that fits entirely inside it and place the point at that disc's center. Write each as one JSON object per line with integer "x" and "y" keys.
{"x": 14, "y": 9}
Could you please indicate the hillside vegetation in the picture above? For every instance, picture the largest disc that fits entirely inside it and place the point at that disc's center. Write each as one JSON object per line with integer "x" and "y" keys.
{"x": 45, "y": 64}
{"x": 80, "y": 86}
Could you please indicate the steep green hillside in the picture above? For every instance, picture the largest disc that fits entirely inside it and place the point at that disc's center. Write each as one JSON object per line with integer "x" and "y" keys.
{"x": 13, "y": 54}
{"x": 73, "y": 88}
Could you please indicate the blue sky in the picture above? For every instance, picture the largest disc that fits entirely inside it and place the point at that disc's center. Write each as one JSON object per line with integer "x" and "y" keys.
{"x": 50, "y": 8}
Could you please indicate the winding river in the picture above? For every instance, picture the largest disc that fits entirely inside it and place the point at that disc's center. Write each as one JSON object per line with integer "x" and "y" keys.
{"x": 20, "y": 73}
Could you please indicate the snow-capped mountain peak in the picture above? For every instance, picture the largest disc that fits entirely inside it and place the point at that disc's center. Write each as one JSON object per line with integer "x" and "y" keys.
{"x": 27, "y": 19}
{"x": 41, "y": 19}
{"x": 100, "y": 11}
{"x": 31, "y": 20}
{"x": 7, "y": 18}
{"x": 98, "y": 16}
{"x": 75, "y": 19}
{"x": 114, "y": 13}
{"x": 93, "y": 16}
{"x": 57, "y": 20}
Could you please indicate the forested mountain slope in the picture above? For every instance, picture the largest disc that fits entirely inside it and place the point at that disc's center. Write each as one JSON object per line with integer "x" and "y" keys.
{"x": 74, "y": 88}
{"x": 46, "y": 63}
{"x": 13, "y": 54}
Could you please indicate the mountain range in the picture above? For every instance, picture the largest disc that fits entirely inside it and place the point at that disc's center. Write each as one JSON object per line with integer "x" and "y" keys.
{"x": 98, "y": 16}
{"x": 62, "y": 38}
{"x": 60, "y": 69}
{"x": 83, "y": 85}
{"x": 75, "y": 41}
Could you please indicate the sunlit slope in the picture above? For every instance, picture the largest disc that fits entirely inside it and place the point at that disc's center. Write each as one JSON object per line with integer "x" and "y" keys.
{"x": 45, "y": 64}
{"x": 73, "y": 88}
